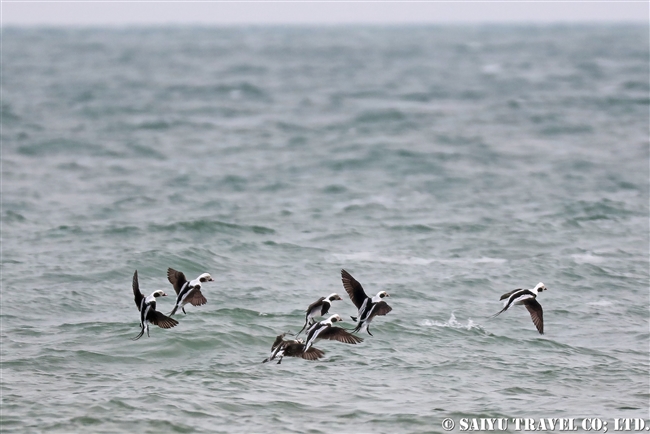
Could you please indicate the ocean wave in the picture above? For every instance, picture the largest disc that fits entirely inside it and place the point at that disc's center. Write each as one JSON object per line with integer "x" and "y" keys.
{"x": 587, "y": 258}
{"x": 13, "y": 217}
{"x": 411, "y": 260}
{"x": 603, "y": 209}
{"x": 64, "y": 146}
{"x": 335, "y": 189}
{"x": 240, "y": 91}
{"x": 600, "y": 303}
{"x": 210, "y": 226}
{"x": 373, "y": 203}
{"x": 122, "y": 230}
{"x": 372, "y": 116}
{"x": 413, "y": 228}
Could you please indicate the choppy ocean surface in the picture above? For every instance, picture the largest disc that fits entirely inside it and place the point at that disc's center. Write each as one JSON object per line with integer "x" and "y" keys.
{"x": 445, "y": 165}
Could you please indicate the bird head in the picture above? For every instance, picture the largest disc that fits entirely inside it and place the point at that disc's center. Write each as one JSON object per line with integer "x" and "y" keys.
{"x": 205, "y": 277}
{"x": 539, "y": 288}
{"x": 334, "y": 296}
{"x": 335, "y": 318}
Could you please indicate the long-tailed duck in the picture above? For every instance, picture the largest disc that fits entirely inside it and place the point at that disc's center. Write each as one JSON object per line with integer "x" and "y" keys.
{"x": 325, "y": 330}
{"x": 147, "y": 308}
{"x": 368, "y": 307}
{"x": 187, "y": 292}
{"x": 527, "y": 297}
{"x": 320, "y": 307}
{"x": 292, "y": 348}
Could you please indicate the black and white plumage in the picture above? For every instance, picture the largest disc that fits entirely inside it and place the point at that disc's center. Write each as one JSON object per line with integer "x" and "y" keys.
{"x": 325, "y": 330}
{"x": 292, "y": 348}
{"x": 320, "y": 307}
{"x": 187, "y": 292}
{"x": 147, "y": 308}
{"x": 527, "y": 297}
{"x": 368, "y": 307}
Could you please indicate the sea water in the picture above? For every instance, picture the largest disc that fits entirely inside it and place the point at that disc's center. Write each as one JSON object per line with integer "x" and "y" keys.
{"x": 446, "y": 165}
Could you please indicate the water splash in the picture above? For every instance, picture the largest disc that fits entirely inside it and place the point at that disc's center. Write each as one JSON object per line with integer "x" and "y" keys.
{"x": 453, "y": 323}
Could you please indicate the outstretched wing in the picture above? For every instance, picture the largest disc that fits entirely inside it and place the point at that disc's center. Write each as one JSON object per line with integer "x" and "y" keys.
{"x": 339, "y": 334}
{"x": 354, "y": 289}
{"x": 297, "y": 349}
{"x": 508, "y": 294}
{"x": 176, "y": 278}
{"x": 312, "y": 354}
{"x": 197, "y": 298}
{"x": 161, "y": 320}
{"x": 536, "y": 313}
{"x": 137, "y": 295}
{"x": 382, "y": 308}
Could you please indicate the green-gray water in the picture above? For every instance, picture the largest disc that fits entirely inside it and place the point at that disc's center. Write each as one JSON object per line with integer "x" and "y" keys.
{"x": 445, "y": 165}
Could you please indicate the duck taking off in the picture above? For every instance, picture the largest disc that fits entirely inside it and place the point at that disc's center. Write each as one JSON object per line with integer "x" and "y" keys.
{"x": 148, "y": 312}
{"x": 187, "y": 292}
{"x": 527, "y": 297}
{"x": 368, "y": 307}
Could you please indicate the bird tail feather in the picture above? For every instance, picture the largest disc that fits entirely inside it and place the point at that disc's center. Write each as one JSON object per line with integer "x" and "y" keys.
{"x": 498, "y": 313}
{"x": 139, "y": 335}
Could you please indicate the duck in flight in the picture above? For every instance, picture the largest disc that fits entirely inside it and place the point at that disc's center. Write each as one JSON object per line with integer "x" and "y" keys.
{"x": 320, "y": 307}
{"x": 527, "y": 297}
{"x": 292, "y": 348}
{"x": 325, "y": 330}
{"x": 187, "y": 292}
{"x": 368, "y": 307}
{"x": 148, "y": 312}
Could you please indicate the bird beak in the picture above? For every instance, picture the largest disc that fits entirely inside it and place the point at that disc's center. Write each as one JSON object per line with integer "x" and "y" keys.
{"x": 164, "y": 295}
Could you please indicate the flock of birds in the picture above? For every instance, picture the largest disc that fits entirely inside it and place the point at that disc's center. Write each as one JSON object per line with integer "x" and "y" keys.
{"x": 186, "y": 292}
{"x": 368, "y": 309}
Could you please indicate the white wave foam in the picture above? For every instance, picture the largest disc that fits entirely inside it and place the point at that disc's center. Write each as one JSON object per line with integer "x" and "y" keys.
{"x": 453, "y": 323}
{"x": 384, "y": 201}
{"x": 600, "y": 303}
{"x": 587, "y": 258}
